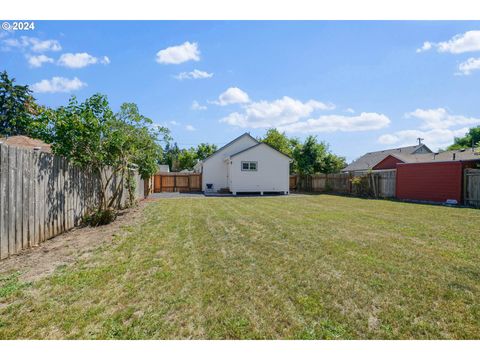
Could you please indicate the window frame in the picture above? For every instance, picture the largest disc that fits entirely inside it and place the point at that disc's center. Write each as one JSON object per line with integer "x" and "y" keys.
{"x": 249, "y": 165}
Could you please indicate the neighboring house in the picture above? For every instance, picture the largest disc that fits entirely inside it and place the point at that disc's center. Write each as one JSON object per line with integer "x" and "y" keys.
{"x": 163, "y": 168}
{"x": 421, "y": 174}
{"x": 197, "y": 168}
{"x": 437, "y": 177}
{"x": 371, "y": 161}
{"x": 26, "y": 143}
{"x": 246, "y": 165}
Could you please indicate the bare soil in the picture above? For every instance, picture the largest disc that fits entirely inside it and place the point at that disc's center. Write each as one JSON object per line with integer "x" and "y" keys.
{"x": 40, "y": 261}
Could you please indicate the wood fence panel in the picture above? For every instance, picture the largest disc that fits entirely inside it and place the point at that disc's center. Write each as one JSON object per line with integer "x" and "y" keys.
{"x": 471, "y": 194}
{"x": 4, "y": 223}
{"x": 181, "y": 182}
{"x": 387, "y": 183}
{"x": 167, "y": 183}
{"x": 42, "y": 195}
{"x": 19, "y": 201}
{"x": 12, "y": 164}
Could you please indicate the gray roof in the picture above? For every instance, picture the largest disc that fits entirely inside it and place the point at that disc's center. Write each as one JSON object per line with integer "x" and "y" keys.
{"x": 369, "y": 160}
{"x": 261, "y": 143}
{"x": 452, "y": 155}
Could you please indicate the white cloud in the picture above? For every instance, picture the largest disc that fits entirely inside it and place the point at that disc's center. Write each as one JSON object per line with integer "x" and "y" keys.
{"x": 189, "y": 128}
{"x": 437, "y": 127}
{"x": 435, "y": 138}
{"x": 32, "y": 44}
{"x": 174, "y": 123}
{"x": 461, "y": 43}
{"x": 440, "y": 119}
{"x": 179, "y": 54}
{"x": 350, "y": 110}
{"x": 37, "y": 61}
{"x": 427, "y": 45}
{"x": 58, "y": 84}
{"x": 264, "y": 114}
{"x": 196, "y": 106}
{"x": 80, "y": 60}
{"x": 232, "y": 95}
{"x": 195, "y": 74}
{"x": 466, "y": 67}
{"x": 333, "y": 123}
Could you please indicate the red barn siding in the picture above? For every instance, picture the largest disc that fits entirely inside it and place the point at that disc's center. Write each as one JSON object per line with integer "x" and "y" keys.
{"x": 430, "y": 181}
{"x": 390, "y": 162}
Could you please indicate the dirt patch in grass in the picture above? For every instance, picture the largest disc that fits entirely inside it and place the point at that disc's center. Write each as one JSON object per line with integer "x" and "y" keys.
{"x": 79, "y": 243}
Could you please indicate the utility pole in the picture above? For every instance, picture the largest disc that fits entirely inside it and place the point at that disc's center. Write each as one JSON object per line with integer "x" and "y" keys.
{"x": 420, "y": 140}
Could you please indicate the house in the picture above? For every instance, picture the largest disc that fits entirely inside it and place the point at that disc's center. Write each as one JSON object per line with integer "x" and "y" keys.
{"x": 371, "y": 161}
{"x": 26, "y": 143}
{"x": 246, "y": 165}
{"x": 436, "y": 177}
{"x": 422, "y": 175}
{"x": 164, "y": 168}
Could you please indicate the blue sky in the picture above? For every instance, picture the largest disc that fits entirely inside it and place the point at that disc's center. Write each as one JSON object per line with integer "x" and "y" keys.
{"x": 360, "y": 86}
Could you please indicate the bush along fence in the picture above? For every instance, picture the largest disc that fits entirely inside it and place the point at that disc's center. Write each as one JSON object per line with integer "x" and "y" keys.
{"x": 378, "y": 184}
{"x": 43, "y": 195}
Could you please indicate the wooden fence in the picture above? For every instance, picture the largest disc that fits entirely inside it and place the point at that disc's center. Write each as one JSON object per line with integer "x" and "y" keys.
{"x": 42, "y": 195}
{"x": 471, "y": 187}
{"x": 173, "y": 182}
{"x": 378, "y": 184}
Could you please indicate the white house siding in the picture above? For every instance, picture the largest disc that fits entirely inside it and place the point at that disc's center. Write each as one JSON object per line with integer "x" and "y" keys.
{"x": 272, "y": 175}
{"x": 214, "y": 169}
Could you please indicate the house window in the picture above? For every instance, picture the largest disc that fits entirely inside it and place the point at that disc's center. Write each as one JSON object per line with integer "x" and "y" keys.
{"x": 249, "y": 166}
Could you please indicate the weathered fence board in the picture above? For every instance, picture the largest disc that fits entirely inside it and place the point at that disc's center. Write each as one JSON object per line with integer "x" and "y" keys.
{"x": 471, "y": 194}
{"x": 42, "y": 195}
{"x": 378, "y": 184}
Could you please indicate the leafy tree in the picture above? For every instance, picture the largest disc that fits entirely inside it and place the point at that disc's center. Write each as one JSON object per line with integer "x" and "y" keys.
{"x": 17, "y": 107}
{"x": 314, "y": 157}
{"x": 204, "y": 150}
{"x": 279, "y": 141}
{"x": 284, "y": 144}
{"x": 92, "y": 136}
{"x": 187, "y": 158}
{"x": 170, "y": 156}
{"x": 471, "y": 138}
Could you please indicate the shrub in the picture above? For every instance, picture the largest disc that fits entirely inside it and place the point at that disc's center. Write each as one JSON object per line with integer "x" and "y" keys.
{"x": 100, "y": 217}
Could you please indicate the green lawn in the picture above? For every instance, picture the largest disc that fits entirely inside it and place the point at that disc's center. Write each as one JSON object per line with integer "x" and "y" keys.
{"x": 298, "y": 267}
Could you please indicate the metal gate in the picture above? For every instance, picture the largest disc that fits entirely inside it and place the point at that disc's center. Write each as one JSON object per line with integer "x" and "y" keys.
{"x": 177, "y": 182}
{"x": 471, "y": 188}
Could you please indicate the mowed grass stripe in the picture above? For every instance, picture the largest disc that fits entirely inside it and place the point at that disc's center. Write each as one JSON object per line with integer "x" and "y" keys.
{"x": 267, "y": 267}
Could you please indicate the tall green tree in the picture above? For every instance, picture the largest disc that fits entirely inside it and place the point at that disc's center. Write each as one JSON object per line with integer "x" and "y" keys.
{"x": 204, "y": 150}
{"x": 471, "y": 138}
{"x": 17, "y": 107}
{"x": 92, "y": 136}
{"x": 278, "y": 141}
{"x": 314, "y": 157}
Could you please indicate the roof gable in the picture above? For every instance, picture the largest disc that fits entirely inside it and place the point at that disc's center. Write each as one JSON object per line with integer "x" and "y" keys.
{"x": 231, "y": 143}
{"x": 259, "y": 144}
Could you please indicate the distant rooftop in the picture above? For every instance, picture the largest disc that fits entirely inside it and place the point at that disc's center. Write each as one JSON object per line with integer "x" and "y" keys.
{"x": 26, "y": 143}
{"x": 369, "y": 160}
